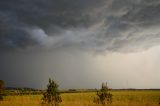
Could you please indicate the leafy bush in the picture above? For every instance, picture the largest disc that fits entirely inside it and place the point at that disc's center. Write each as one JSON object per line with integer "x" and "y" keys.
{"x": 103, "y": 95}
{"x": 2, "y": 86}
{"x": 52, "y": 95}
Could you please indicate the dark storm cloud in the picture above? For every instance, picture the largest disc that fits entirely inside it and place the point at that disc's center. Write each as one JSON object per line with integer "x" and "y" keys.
{"x": 47, "y": 38}
{"x": 97, "y": 25}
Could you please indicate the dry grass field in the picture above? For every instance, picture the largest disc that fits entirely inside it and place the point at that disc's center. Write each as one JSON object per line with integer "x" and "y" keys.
{"x": 120, "y": 98}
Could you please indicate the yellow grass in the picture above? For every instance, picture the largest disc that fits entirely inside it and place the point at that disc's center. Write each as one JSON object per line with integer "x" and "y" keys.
{"x": 120, "y": 98}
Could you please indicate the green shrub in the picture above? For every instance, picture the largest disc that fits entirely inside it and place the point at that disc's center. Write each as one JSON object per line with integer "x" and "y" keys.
{"x": 52, "y": 95}
{"x": 2, "y": 87}
{"x": 103, "y": 95}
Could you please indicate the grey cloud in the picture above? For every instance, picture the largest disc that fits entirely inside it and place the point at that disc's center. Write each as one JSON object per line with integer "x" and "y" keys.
{"x": 47, "y": 38}
{"x": 96, "y": 25}
{"x": 20, "y": 15}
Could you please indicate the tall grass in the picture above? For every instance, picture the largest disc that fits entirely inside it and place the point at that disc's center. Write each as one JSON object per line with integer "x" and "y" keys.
{"x": 120, "y": 98}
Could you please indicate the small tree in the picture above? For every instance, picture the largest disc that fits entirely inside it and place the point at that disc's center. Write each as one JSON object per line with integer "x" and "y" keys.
{"x": 103, "y": 95}
{"x": 52, "y": 95}
{"x": 2, "y": 86}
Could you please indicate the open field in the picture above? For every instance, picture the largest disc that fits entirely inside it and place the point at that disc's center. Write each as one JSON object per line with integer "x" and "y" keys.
{"x": 120, "y": 98}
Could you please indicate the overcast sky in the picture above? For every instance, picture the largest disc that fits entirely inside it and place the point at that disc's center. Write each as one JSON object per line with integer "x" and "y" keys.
{"x": 80, "y": 43}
